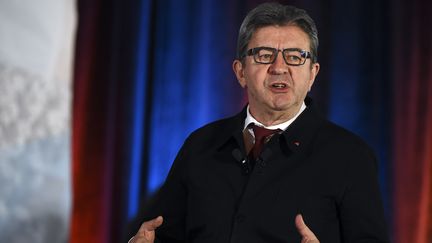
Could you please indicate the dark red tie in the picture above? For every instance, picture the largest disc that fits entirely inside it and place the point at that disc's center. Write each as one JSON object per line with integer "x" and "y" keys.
{"x": 262, "y": 135}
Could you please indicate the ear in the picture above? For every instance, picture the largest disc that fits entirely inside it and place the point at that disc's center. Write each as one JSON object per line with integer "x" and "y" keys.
{"x": 238, "y": 69}
{"x": 314, "y": 72}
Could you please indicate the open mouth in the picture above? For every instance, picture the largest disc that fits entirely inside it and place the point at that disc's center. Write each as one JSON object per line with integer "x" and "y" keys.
{"x": 279, "y": 85}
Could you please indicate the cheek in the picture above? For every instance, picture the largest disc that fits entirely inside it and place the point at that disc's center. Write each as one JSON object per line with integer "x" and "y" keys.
{"x": 255, "y": 78}
{"x": 302, "y": 81}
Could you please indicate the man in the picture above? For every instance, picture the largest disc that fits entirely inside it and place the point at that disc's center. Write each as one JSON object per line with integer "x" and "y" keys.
{"x": 230, "y": 183}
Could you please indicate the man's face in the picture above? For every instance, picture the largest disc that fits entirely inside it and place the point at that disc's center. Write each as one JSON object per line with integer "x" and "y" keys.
{"x": 276, "y": 87}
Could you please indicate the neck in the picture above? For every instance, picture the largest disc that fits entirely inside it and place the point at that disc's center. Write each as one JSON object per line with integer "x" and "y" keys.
{"x": 273, "y": 117}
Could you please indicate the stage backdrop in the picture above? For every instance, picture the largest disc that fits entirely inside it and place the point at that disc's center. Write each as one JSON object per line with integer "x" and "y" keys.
{"x": 149, "y": 72}
{"x": 36, "y": 50}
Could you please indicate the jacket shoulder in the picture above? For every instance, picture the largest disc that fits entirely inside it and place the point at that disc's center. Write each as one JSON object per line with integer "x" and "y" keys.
{"x": 215, "y": 133}
{"x": 334, "y": 134}
{"x": 344, "y": 145}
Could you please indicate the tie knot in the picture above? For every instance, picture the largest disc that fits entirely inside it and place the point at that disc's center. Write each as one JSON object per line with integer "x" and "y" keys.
{"x": 262, "y": 133}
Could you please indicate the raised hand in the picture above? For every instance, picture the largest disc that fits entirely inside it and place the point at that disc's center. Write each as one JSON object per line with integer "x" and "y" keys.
{"x": 146, "y": 233}
{"x": 307, "y": 235}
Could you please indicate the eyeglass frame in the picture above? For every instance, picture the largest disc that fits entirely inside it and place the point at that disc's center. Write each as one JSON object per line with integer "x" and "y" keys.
{"x": 304, "y": 54}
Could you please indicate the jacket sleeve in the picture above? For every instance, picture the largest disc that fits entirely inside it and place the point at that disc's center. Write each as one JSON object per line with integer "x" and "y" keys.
{"x": 171, "y": 202}
{"x": 361, "y": 209}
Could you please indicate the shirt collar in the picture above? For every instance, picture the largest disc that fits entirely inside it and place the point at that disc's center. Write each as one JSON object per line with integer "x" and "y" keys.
{"x": 250, "y": 119}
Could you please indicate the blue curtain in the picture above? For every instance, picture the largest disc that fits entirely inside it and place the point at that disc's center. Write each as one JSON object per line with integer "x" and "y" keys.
{"x": 360, "y": 87}
{"x": 184, "y": 73}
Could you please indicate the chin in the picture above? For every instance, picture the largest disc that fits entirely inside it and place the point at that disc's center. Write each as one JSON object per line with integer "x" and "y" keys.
{"x": 280, "y": 108}
{"x": 285, "y": 105}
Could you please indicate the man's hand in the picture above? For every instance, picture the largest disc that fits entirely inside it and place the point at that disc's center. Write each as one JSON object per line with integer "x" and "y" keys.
{"x": 146, "y": 233}
{"x": 306, "y": 234}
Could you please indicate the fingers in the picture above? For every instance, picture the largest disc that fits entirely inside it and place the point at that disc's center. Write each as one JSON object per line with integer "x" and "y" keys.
{"x": 151, "y": 225}
{"x": 146, "y": 233}
{"x": 307, "y": 235}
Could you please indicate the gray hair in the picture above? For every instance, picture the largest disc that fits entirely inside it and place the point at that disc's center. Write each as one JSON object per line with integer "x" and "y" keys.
{"x": 269, "y": 14}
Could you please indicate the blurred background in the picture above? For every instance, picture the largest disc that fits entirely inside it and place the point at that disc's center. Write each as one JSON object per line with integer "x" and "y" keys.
{"x": 96, "y": 98}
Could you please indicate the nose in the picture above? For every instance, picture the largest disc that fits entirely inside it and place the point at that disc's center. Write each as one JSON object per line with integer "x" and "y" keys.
{"x": 278, "y": 66}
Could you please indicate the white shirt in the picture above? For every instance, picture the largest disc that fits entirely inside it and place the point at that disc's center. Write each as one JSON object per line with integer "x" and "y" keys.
{"x": 282, "y": 126}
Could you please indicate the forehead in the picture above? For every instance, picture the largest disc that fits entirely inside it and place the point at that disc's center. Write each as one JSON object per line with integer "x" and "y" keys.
{"x": 288, "y": 36}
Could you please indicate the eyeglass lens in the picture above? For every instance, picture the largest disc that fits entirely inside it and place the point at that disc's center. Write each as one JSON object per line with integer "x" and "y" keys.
{"x": 269, "y": 55}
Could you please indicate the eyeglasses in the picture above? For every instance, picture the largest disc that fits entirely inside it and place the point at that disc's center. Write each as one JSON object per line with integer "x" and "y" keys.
{"x": 268, "y": 55}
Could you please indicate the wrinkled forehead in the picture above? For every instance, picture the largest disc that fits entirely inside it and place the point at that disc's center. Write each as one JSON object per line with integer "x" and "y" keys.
{"x": 276, "y": 36}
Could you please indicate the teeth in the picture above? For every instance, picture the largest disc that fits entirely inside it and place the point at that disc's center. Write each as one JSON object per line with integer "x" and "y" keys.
{"x": 279, "y": 86}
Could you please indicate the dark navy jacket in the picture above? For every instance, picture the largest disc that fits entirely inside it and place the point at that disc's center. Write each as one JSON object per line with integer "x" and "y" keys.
{"x": 315, "y": 168}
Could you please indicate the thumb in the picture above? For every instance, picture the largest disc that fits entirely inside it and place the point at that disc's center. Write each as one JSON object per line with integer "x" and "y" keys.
{"x": 151, "y": 225}
{"x": 307, "y": 235}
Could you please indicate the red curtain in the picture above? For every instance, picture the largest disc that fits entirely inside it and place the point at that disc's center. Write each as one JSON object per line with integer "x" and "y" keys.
{"x": 91, "y": 168}
{"x": 413, "y": 122}
{"x": 101, "y": 120}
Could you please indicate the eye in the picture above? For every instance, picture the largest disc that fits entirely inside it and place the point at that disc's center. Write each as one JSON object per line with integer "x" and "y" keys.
{"x": 294, "y": 59}
{"x": 266, "y": 56}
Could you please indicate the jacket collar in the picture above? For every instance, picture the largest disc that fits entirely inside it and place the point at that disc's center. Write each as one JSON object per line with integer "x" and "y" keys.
{"x": 296, "y": 137}
{"x": 300, "y": 133}
{"x": 233, "y": 132}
